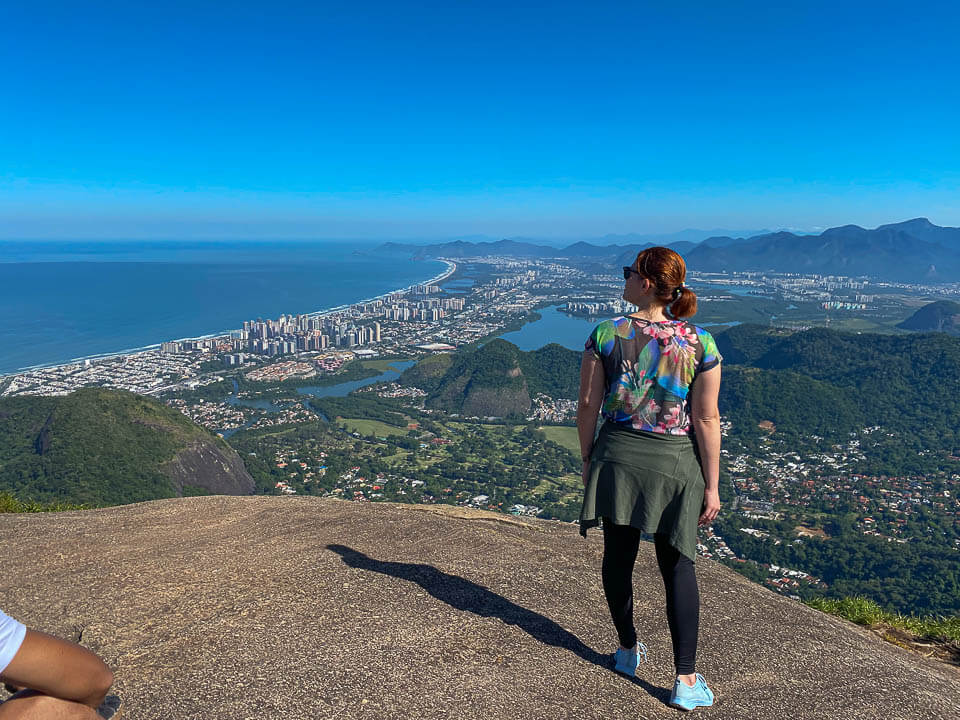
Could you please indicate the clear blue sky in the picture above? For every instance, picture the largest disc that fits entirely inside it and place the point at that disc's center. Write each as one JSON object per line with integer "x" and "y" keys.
{"x": 434, "y": 119}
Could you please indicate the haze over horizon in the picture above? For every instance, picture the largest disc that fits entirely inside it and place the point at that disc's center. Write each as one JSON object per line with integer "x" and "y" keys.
{"x": 389, "y": 121}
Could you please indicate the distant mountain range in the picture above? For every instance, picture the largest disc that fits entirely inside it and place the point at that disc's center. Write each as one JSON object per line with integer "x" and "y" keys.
{"x": 690, "y": 235}
{"x": 914, "y": 251}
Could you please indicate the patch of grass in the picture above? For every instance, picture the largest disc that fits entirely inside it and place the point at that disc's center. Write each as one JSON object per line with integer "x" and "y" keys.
{"x": 860, "y": 610}
{"x": 10, "y": 504}
{"x": 381, "y": 365}
{"x": 862, "y": 324}
{"x": 371, "y": 427}
{"x": 570, "y": 485}
{"x": 563, "y": 435}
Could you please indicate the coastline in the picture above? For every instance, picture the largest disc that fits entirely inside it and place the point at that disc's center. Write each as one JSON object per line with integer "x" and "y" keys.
{"x": 451, "y": 268}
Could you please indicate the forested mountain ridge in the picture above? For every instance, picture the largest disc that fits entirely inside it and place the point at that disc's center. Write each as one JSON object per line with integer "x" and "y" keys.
{"x": 104, "y": 447}
{"x": 818, "y": 381}
{"x": 831, "y": 382}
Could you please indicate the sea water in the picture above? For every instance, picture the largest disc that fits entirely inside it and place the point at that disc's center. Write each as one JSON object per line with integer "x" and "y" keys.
{"x": 60, "y": 301}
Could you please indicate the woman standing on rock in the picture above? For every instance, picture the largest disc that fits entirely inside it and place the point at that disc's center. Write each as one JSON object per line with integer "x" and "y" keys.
{"x": 654, "y": 467}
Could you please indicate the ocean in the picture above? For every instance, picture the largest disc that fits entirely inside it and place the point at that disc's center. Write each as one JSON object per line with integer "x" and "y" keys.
{"x": 61, "y": 301}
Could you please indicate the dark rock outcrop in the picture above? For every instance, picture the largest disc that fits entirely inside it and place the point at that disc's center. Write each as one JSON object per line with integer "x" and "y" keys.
{"x": 494, "y": 402}
{"x": 204, "y": 464}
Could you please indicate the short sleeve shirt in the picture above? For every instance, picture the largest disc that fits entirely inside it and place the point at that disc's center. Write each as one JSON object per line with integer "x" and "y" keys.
{"x": 649, "y": 368}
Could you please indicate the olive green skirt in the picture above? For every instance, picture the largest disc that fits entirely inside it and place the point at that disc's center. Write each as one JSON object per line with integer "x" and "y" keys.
{"x": 651, "y": 481}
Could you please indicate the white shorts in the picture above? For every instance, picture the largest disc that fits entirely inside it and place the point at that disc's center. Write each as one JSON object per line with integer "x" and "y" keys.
{"x": 11, "y": 638}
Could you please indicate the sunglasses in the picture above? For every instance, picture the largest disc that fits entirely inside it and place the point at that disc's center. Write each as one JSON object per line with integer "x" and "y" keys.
{"x": 627, "y": 270}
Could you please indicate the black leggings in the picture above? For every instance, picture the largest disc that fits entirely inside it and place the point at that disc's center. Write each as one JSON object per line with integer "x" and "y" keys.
{"x": 620, "y": 545}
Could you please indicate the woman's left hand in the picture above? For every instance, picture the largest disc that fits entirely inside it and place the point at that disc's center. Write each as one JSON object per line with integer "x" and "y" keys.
{"x": 711, "y": 506}
{"x": 585, "y": 473}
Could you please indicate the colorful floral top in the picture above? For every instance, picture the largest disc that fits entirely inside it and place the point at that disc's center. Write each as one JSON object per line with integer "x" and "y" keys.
{"x": 649, "y": 368}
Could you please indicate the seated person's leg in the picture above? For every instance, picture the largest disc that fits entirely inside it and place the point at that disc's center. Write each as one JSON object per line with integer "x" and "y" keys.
{"x": 31, "y": 705}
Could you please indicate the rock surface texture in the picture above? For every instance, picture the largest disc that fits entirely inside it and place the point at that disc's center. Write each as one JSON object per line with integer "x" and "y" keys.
{"x": 205, "y": 464}
{"x": 263, "y": 607}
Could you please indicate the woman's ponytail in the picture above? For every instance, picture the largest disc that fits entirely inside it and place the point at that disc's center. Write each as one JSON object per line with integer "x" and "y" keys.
{"x": 685, "y": 303}
{"x": 667, "y": 271}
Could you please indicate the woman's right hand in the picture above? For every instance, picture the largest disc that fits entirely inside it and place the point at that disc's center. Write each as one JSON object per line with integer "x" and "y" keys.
{"x": 711, "y": 506}
{"x": 585, "y": 473}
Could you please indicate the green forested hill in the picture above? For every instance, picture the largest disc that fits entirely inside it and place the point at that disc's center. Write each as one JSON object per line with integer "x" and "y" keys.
{"x": 831, "y": 383}
{"x": 794, "y": 402}
{"x": 836, "y": 386}
{"x": 940, "y": 316}
{"x": 496, "y": 379}
{"x": 818, "y": 382}
{"x": 548, "y": 370}
{"x": 104, "y": 447}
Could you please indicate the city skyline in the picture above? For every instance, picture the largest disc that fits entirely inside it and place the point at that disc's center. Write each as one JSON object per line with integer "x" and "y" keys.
{"x": 432, "y": 121}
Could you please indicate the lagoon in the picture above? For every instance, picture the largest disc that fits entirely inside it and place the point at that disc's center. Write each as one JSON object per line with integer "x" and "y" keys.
{"x": 553, "y": 326}
{"x": 345, "y": 388}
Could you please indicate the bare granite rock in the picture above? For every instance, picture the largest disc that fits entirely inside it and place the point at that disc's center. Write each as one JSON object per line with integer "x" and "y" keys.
{"x": 267, "y": 607}
{"x": 215, "y": 468}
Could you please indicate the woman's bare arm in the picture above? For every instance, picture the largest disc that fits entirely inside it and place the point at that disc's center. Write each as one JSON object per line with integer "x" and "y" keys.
{"x": 705, "y": 414}
{"x": 592, "y": 387}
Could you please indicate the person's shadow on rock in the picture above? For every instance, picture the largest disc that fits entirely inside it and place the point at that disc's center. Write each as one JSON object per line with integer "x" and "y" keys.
{"x": 463, "y": 594}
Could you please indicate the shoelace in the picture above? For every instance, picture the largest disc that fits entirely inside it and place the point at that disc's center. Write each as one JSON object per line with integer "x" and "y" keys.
{"x": 642, "y": 651}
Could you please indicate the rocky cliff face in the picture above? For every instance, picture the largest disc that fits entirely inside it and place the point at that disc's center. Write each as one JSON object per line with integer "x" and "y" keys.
{"x": 304, "y": 608}
{"x": 496, "y": 402}
{"x": 204, "y": 464}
